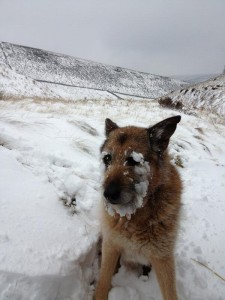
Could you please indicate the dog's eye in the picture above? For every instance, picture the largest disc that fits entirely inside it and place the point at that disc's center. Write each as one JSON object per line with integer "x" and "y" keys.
{"x": 107, "y": 159}
{"x": 131, "y": 162}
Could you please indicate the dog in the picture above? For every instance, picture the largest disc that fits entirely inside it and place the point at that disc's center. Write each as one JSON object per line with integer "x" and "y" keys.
{"x": 141, "y": 203}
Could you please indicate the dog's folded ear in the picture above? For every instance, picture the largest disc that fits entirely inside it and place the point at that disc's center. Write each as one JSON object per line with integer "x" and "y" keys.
{"x": 110, "y": 126}
{"x": 161, "y": 132}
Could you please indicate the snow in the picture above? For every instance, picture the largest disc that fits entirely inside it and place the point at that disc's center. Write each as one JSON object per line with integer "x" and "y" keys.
{"x": 58, "y": 68}
{"x": 141, "y": 188}
{"x": 14, "y": 85}
{"x": 50, "y": 191}
{"x": 208, "y": 96}
{"x": 138, "y": 157}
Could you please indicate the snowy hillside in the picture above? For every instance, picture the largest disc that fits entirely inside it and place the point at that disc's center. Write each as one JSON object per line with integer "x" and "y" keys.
{"x": 14, "y": 85}
{"x": 192, "y": 79}
{"x": 50, "y": 191}
{"x": 66, "y": 70}
{"x": 208, "y": 96}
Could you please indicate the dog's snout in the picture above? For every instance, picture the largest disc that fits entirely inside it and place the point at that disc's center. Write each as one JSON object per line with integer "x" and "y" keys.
{"x": 112, "y": 192}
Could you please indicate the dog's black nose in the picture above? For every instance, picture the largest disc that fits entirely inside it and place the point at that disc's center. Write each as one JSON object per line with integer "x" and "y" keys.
{"x": 112, "y": 192}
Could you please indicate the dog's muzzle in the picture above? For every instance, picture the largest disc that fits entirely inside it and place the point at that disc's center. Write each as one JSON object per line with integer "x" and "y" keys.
{"x": 112, "y": 192}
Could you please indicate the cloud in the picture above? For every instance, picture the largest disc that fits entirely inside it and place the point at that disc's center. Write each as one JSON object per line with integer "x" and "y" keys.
{"x": 161, "y": 36}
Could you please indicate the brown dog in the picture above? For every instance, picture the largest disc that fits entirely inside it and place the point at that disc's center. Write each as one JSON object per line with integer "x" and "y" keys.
{"x": 142, "y": 191}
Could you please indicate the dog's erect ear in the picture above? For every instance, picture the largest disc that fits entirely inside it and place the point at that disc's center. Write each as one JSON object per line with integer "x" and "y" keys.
{"x": 110, "y": 126}
{"x": 161, "y": 132}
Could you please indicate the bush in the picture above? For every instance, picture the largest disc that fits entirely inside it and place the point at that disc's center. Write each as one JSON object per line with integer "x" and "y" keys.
{"x": 167, "y": 102}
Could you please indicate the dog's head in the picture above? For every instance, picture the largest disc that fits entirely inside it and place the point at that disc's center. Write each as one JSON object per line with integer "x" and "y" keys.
{"x": 132, "y": 157}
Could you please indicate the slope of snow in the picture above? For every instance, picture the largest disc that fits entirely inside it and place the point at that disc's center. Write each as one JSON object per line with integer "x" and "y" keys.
{"x": 52, "y": 67}
{"x": 208, "y": 96}
{"x": 50, "y": 190}
{"x": 20, "y": 86}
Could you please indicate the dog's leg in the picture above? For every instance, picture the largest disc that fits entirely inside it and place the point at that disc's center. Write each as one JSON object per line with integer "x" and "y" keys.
{"x": 165, "y": 271}
{"x": 110, "y": 257}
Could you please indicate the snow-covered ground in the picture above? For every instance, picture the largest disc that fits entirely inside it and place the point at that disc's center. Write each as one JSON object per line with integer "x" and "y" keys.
{"x": 50, "y": 191}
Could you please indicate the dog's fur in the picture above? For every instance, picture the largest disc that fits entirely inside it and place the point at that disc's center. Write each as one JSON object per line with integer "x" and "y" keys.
{"x": 139, "y": 224}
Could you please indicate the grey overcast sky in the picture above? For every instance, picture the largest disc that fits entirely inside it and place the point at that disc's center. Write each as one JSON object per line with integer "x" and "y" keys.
{"x": 165, "y": 37}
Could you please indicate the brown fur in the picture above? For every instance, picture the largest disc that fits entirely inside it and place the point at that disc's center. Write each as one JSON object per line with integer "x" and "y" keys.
{"x": 149, "y": 236}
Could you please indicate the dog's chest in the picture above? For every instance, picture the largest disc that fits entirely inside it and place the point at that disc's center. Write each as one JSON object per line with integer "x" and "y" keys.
{"x": 134, "y": 255}
{"x": 133, "y": 246}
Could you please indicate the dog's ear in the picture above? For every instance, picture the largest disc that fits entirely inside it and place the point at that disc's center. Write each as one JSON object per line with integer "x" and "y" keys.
{"x": 161, "y": 132}
{"x": 110, "y": 126}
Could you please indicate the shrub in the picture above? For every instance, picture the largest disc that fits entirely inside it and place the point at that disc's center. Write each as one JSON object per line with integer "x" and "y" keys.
{"x": 167, "y": 102}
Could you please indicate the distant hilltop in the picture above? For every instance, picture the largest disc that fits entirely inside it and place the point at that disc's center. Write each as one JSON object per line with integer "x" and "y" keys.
{"x": 206, "y": 96}
{"x": 54, "y": 68}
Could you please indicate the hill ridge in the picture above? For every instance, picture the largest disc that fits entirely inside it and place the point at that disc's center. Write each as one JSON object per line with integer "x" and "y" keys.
{"x": 54, "y": 67}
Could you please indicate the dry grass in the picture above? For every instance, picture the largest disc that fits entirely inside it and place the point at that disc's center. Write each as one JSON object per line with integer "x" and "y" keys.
{"x": 85, "y": 127}
{"x": 168, "y": 103}
{"x": 208, "y": 268}
{"x": 71, "y": 204}
{"x": 1, "y": 95}
{"x": 178, "y": 161}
